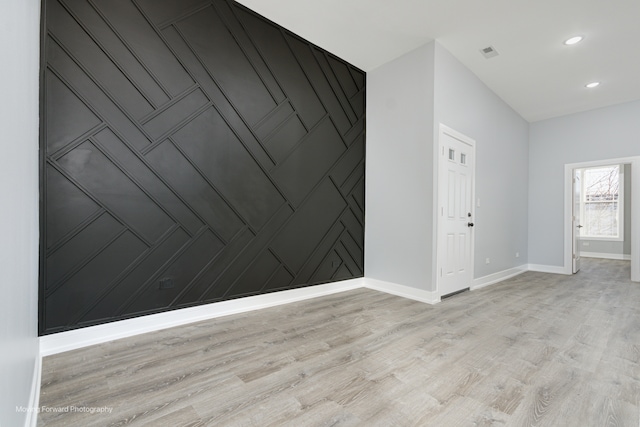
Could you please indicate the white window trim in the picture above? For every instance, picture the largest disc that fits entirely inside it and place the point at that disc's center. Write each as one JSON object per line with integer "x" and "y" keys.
{"x": 620, "y": 237}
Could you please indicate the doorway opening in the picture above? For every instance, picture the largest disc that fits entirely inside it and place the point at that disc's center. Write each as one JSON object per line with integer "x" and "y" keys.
{"x": 594, "y": 212}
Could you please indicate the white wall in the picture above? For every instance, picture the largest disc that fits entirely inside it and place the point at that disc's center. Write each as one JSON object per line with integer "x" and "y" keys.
{"x": 406, "y": 99}
{"x": 19, "y": 44}
{"x": 600, "y": 134}
{"x": 399, "y": 177}
{"x": 467, "y": 105}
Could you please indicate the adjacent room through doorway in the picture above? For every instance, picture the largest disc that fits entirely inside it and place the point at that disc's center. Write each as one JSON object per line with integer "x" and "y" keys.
{"x": 599, "y": 213}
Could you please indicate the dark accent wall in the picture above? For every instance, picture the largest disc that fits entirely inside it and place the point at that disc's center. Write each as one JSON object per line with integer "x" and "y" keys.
{"x": 192, "y": 152}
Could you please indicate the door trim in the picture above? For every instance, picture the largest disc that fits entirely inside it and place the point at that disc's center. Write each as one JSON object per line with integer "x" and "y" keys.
{"x": 575, "y": 237}
{"x": 445, "y": 130}
{"x": 635, "y": 210}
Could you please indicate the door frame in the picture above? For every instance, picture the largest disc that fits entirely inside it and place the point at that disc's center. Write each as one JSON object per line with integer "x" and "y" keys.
{"x": 635, "y": 210}
{"x": 575, "y": 235}
{"x": 442, "y": 130}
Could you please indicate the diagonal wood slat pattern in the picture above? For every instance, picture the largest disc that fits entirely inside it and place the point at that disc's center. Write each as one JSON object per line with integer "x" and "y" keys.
{"x": 193, "y": 141}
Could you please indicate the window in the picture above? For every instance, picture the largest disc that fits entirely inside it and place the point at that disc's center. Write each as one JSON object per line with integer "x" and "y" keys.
{"x": 601, "y": 204}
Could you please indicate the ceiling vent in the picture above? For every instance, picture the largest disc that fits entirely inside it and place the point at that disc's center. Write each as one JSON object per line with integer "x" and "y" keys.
{"x": 489, "y": 52}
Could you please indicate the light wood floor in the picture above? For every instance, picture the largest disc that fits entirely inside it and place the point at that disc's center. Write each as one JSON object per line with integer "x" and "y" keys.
{"x": 536, "y": 350}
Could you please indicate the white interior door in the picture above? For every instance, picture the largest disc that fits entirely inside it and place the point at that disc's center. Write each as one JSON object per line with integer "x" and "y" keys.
{"x": 455, "y": 210}
{"x": 577, "y": 191}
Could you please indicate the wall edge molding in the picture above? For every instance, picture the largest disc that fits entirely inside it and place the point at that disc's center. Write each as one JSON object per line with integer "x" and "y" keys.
{"x": 34, "y": 397}
{"x": 84, "y": 337}
{"x": 619, "y": 257}
{"x": 498, "y": 277}
{"x": 553, "y": 269}
{"x": 429, "y": 297}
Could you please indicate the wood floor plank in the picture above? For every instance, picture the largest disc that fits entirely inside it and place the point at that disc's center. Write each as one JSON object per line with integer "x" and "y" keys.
{"x": 535, "y": 350}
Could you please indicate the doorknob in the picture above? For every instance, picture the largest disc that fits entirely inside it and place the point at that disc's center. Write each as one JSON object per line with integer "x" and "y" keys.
{"x": 469, "y": 224}
{"x": 579, "y": 226}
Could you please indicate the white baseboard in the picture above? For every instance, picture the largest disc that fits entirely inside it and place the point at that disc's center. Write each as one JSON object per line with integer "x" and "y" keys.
{"x": 547, "y": 269}
{"x": 491, "y": 279}
{"x": 34, "y": 398}
{"x": 430, "y": 297}
{"x": 71, "y": 340}
{"x": 620, "y": 257}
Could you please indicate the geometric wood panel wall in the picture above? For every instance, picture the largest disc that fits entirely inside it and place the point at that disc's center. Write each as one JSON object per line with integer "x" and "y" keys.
{"x": 192, "y": 152}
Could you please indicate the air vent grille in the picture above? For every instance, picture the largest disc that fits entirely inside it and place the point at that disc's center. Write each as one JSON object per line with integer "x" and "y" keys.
{"x": 489, "y": 52}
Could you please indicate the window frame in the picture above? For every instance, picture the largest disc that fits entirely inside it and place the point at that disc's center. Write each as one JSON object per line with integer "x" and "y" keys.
{"x": 620, "y": 201}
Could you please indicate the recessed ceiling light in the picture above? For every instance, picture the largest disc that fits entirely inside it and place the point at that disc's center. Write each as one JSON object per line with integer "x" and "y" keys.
{"x": 573, "y": 40}
{"x": 592, "y": 85}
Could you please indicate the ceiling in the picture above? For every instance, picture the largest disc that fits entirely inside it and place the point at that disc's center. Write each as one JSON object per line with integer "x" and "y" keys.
{"x": 535, "y": 73}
